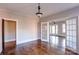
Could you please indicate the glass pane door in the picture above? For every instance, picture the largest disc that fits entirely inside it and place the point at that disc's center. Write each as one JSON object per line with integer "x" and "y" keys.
{"x": 71, "y": 34}
{"x": 44, "y": 35}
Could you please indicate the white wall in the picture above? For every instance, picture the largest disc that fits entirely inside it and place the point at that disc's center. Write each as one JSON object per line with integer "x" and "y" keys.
{"x": 27, "y": 29}
{"x": 62, "y": 15}
{"x": 26, "y": 26}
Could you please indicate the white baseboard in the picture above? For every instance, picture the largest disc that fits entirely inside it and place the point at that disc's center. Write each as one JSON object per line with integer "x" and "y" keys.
{"x": 10, "y": 40}
{"x": 25, "y": 41}
{"x": 44, "y": 40}
{"x": 0, "y": 49}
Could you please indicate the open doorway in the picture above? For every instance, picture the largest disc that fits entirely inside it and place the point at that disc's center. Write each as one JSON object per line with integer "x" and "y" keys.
{"x": 57, "y": 34}
{"x": 8, "y": 35}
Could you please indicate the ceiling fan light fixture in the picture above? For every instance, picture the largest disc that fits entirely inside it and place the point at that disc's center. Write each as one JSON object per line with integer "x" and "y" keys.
{"x": 39, "y": 14}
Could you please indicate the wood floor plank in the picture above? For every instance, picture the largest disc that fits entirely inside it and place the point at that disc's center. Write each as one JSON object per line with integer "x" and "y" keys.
{"x": 34, "y": 48}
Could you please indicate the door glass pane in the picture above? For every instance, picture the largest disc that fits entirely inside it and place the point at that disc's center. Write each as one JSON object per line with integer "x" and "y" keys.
{"x": 70, "y": 44}
{"x": 74, "y": 21}
{"x": 74, "y": 39}
{"x": 74, "y": 27}
{"x": 71, "y": 32}
{"x": 74, "y": 33}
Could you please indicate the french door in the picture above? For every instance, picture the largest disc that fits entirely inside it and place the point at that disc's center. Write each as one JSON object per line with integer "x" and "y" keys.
{"x": 45, "y": 31}
{"x": 71, "y": 39}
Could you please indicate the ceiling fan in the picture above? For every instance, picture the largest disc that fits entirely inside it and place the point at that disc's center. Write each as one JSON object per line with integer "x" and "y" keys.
{"x": 39, "y": 14}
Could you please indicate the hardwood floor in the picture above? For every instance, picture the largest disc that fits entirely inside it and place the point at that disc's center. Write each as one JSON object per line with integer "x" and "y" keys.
{"x": 11, "y": 44}
{"x": 70, "y": 52}
{"x": 34, "y": 48}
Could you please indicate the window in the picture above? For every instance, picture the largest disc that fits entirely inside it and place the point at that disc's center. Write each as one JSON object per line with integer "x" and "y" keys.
{"x": 53, "y": 29}
{"x": 56, "y": 29}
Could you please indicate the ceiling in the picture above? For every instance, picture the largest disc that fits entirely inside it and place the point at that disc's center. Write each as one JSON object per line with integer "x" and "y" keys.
{"x": 29, "y": 9}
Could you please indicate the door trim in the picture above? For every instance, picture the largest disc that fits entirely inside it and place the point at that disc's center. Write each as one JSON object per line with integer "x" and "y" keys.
{"x": 2, "y": 36}
{"x": 3, "y": 44}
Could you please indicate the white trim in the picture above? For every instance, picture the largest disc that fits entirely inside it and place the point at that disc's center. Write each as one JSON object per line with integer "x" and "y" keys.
{"x": 10, "y": 40}
{"x": 78, "y": 34}
{"x": 25, "y": 41}
{"x": 0, "y": 35}
{"x": 16, "y": 27}
{"x": 48, "y": 31}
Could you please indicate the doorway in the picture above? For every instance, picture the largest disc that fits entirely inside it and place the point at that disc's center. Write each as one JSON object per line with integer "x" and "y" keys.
{"x": 8, "y": 35}
{"x": 57, "y": 33}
